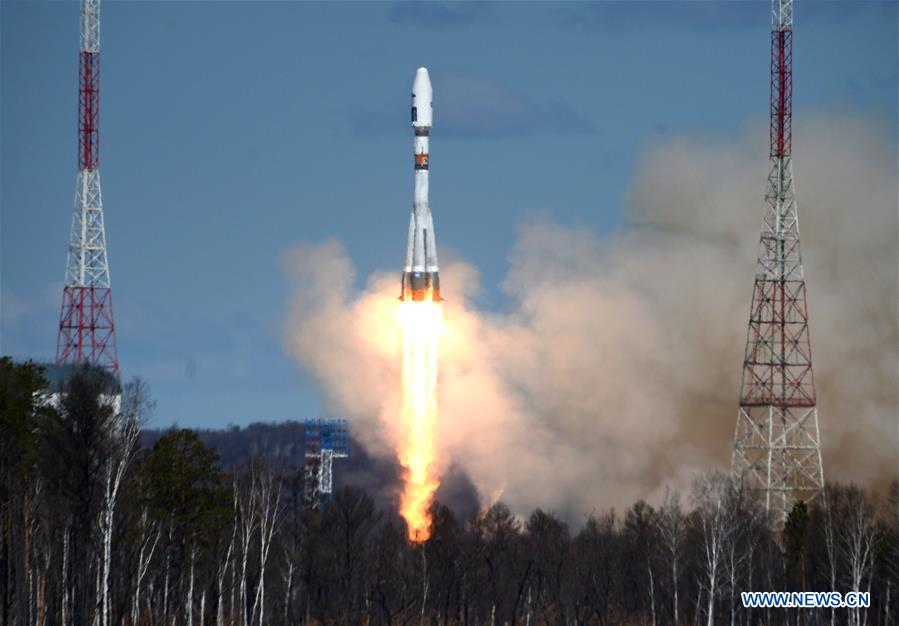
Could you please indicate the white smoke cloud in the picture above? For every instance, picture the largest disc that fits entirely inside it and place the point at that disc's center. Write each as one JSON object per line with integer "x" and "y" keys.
{"x": 617, "y": 370}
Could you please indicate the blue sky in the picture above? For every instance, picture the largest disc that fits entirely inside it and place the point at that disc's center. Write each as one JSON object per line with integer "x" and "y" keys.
{"x": 233, "y": 130}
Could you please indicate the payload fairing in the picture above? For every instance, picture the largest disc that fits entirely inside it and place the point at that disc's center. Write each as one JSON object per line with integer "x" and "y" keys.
{"x": 421, "y": 279}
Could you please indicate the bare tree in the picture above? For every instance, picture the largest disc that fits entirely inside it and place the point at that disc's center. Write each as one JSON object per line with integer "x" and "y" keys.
{"x": 738, "y": 521}
{"x": 189, "y": 605}
{"x": 136, "y": 409}
{"x": 715, "y": 496}
{"x": 248, "y": 520}
{"x": 222, "y": 570}
{"x": 268, "y": 499}
{"x": 596, "y": 554}
{"x": 856, "y": 534}
{"x": 186, "y": 535}
{"x": 672, "y": 533}
{"x": 148, "y": 535}
{"x": 288, "y": 586}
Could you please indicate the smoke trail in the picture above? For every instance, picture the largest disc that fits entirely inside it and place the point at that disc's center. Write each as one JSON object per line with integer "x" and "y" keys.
{"x": 617, "y": 369}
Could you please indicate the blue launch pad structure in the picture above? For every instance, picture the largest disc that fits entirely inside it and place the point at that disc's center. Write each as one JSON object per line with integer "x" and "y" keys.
{"x": 324, "y": 440}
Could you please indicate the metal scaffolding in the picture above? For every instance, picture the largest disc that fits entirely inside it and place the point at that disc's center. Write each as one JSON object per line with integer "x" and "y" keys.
{"x": 776, "y": 451}
{"x": 325, "y": 440}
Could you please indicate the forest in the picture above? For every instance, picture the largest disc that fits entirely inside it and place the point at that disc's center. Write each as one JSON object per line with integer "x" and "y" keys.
{"x": 102, "y": 526}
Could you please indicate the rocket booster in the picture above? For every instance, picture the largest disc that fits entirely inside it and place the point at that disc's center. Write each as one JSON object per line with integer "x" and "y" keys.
{"x": 421, "y": 280}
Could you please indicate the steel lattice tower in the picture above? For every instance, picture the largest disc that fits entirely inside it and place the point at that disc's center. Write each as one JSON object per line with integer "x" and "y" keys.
{"x": 86, "y": 323}
{"x": 325, "y": 440}
{"x": 776, "y": 446}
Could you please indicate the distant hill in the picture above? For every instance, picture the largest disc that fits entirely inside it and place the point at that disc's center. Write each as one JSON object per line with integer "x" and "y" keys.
{"x": 282, "y": 442}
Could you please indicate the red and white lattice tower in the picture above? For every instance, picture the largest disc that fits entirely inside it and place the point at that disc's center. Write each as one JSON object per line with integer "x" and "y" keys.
{"x": 777, "y": 452}
{"x": 86, "y": 323}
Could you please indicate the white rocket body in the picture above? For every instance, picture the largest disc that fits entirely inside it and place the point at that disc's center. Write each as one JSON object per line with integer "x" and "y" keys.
{"x": 421, "y": 279}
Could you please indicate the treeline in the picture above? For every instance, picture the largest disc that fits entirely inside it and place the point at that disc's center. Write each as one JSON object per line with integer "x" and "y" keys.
{"x": 97, "y": 530}
{"x": 281, "y": 442}
{"x": 282, "y": 445}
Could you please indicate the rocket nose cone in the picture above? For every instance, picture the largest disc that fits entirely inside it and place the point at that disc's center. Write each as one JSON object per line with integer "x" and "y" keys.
{"x": 422, "y": 100}
{"x": 422, "y": 80}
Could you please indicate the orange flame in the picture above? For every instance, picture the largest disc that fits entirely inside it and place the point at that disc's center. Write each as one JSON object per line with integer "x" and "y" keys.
{"x": 421, "y": 324}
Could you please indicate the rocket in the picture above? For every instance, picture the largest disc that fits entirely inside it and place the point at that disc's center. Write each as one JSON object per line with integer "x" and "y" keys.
{"x": 421, "y": 280}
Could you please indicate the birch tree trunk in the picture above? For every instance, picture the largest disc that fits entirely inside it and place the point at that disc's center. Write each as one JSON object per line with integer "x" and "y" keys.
{"x": 714, "y": 498}
{"x": 672, "y": 529}
{"x": 288, "y": 589}
{"x": 144, "y": 558}
{"x": 220, "y": 600}
{"x": 136, "y": 408}
{"x": 269, "y": 515}
{"x": 857, "y": 534}
{"x": 190, "y": 586}
{"x": 247, "y": 509}
{"x": 165, "y": 583}
{"x": 65, "y": 578}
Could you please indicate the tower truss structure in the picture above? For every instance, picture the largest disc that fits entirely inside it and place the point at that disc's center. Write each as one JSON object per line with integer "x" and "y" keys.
{"x": 776, "y": 451}
{"x": 325, "y": 440}
{"x": 86, "y": 321}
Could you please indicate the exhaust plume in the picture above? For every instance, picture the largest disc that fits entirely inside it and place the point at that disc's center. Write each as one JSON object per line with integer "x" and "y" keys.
{"x": 617, "y": 369}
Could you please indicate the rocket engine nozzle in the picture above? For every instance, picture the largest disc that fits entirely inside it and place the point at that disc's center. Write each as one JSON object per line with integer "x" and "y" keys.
{"x": 421, "y": 287}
